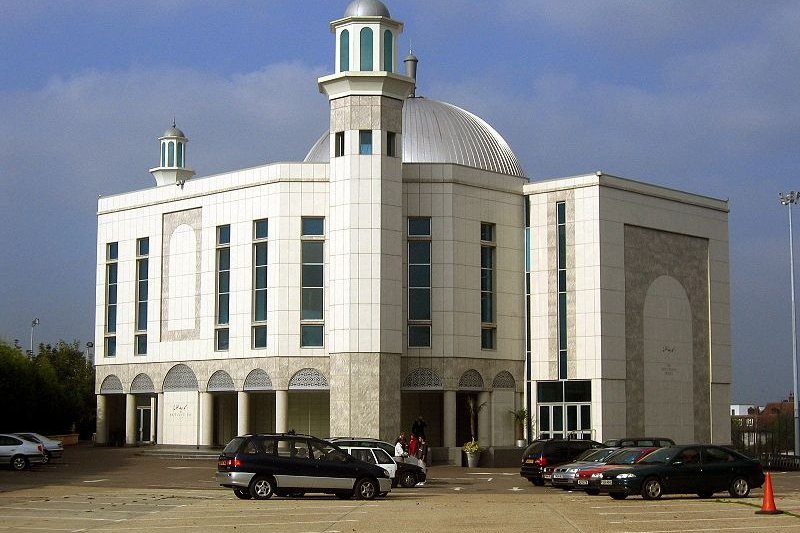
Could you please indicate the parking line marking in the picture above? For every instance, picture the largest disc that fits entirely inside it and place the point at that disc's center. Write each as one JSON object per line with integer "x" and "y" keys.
{"x": 743, "y": 528}
{"x": 94, "y": 480}
{"x": 233, "y": 525}
{"x": 662, "y": 520}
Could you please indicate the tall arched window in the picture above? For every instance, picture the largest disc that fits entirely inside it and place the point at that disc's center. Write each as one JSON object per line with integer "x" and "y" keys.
{"x": 388, "y": 51}
{"x": 171, "y": 154}
{"x": 180, "y": 154}
{"x": 366, "y": 49}
{"x": 163, "y": 153}
{"x": 344, "y": 51}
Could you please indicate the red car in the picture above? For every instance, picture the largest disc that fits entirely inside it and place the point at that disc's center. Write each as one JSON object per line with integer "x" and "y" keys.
{"x": 588, "y": 479}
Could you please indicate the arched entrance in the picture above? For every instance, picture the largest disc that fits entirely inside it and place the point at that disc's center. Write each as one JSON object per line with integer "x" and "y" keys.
{"x": 421, "y": 394}
{"x": 145, "y": 393}
{"x": 309, "y": 403}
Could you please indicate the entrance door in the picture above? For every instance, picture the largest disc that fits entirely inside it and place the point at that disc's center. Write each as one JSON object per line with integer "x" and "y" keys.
{"x": 560, "y": 421}
{"x": 143, "y": 424}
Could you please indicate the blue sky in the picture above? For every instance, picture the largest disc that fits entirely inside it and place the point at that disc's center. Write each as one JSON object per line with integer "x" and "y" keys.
{"x": 700, "y": 96}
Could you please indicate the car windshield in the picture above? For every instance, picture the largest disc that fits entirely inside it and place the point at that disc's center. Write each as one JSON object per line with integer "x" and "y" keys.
{"x": 659, "y": 457}
{"x": 233, "y": 445}
{"x": 624, "y": 457}
{"x": 600, "y": 454}
{"x": 535, "y": 448}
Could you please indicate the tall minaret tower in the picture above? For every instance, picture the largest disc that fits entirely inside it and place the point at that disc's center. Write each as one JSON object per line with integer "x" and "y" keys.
{"x": 172, "y": 170}
{"x": 366, "y": 228}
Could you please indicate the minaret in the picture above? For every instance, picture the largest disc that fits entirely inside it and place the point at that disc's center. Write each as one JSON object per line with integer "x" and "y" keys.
{"x": 172, "y": 170}
{"x": 366, "y": 228}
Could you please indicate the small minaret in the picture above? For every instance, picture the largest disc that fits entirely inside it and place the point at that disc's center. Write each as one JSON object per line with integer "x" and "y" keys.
{"x": 172, "y": 170}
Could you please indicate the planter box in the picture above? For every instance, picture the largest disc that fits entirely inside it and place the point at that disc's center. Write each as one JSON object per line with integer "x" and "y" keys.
{"x": 69, "y": 439}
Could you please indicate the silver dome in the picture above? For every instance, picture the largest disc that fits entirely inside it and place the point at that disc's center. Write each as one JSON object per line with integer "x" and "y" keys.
{"x": 366, "y": 8}
{"x": 172, "y": 131}
{"x": 438, "y": 132}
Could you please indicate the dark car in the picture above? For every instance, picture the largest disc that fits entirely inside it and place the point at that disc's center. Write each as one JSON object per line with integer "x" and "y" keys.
{"x": 627, "y": 442}
{"x": 694, "y": 469}
{"x": 258, "y": 466}
{"x": 543, "y": 455}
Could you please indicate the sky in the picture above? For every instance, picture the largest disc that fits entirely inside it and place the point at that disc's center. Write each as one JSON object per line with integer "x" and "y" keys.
{"x": 699, "y": 96}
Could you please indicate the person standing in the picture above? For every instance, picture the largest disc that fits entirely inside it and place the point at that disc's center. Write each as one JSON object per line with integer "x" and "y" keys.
{"x": 422, "y": 454}
{"x": 400, "y": 448}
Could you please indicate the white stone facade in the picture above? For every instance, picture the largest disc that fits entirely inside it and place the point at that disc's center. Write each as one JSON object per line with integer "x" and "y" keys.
{"x": 628, "y": 317}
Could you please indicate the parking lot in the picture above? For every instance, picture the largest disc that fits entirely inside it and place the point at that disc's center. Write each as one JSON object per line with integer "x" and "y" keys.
{"x": 117, "y": 489}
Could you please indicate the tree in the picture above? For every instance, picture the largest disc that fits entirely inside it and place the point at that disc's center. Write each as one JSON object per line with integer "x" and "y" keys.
{"x": 473, "y": 407}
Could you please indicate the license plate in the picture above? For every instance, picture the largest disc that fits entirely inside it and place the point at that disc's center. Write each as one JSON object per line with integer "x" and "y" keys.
{"x": 530, "y": 461}
{"x": 559, "y": 476}
{"x": 583, "y": 482}
{"x": 547, "y": 476}
{"x": 606, "y": 481}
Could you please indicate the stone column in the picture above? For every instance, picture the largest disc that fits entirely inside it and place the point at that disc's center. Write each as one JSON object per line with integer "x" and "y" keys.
{"x": 130, "y": 419}
{"x": 485, "y": 419}
{"x": 243, "y": 412}
{"x": 281, "y": 411}
{"x": 160, "y": 418}
{"x": 449, "y": 419}
{"x": 101, "y": 429}
{"x": 153, "y": 418}
{"x": 206, "y": 419}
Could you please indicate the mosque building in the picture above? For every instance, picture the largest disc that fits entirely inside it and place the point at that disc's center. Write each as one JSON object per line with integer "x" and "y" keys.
{"x": 405, "y": 267}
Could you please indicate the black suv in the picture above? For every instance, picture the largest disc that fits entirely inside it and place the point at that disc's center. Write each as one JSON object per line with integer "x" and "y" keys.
{"x": 542, "y": 456}
{"x": 258, "y": 466}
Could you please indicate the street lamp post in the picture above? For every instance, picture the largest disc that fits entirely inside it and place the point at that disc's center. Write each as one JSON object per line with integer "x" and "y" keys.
{"x": 34, "y": 323}
{"x": 790, "y": 198}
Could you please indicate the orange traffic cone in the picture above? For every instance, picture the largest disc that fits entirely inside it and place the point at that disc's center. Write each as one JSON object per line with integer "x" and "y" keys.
{"x": 768, "y": 506}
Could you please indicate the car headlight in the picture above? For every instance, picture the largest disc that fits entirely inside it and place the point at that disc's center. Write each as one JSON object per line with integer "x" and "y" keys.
{"x": 626, "y": 475}
{"x": 572, "y": 470}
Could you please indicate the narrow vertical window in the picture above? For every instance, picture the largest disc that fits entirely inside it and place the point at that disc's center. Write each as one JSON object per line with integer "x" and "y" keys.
{"x": 259, "y": 327}
{"x": 163, "y": 153}
{"x": 419, "y": 282}
{"x": 171, "y": 154}
{"x": 142, "y": 267}
{"x": 344, "y": 51}
{"x": 391, "y": 144}
{"x": 561, "y": 229}
{"x": 180, "y": 154}
{"x": 312, "y": 282}
{"x": 112, "y": 256}
{"x": 488, "y": 320}
{"x": 221, "y": 331}
{"x": 365, "y": 142}
{"x": 366, "y": 49}
{"x": 388, "y": 51}
{"x": 338, "y": 139}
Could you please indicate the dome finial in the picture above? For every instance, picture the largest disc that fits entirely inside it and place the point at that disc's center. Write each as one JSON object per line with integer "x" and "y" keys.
{"x": 367, "y": 8}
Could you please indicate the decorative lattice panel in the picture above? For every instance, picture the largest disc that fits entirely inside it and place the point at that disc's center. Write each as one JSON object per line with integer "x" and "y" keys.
{"x": 220, "y": 381}
{"x": 422, "y": 379}
{"x": 111, "y": 385}
{"x": 504, "y": 380}
{"x": 257, "y": 380}
{"x": 470, "y": 380}
{"x": 180, "y": 377}
{"x": 308, "y": 378}
{"x": 142, "y": 384}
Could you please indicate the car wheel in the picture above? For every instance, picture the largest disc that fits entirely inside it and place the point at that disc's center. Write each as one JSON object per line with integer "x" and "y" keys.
{"x": 651, "y": 489}
{"x": 242, "y": 494}
{"x": 408, "y": 479}
{"x": 366, "y": 489}
{"x": 261, "y": 488}
{"x": 739, "y": 488}
{"x": 19, "y": 462}
{"x": 592, "y": 492}
{"x": 46, "y": 458}
{"x": 705, "y": 494}
{"x": 618, "y": 495}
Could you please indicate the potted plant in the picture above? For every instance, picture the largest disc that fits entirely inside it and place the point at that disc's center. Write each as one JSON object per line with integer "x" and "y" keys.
{"x": 472, "y": 448}
{"x": 473, "y": 451}
{"x": 520, "y": 417}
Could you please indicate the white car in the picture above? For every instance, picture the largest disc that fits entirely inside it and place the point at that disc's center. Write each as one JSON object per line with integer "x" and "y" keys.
{"x": 53, "y": 449}
{"x": 20, "y": 453}
{"x": 402, "y": 474}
